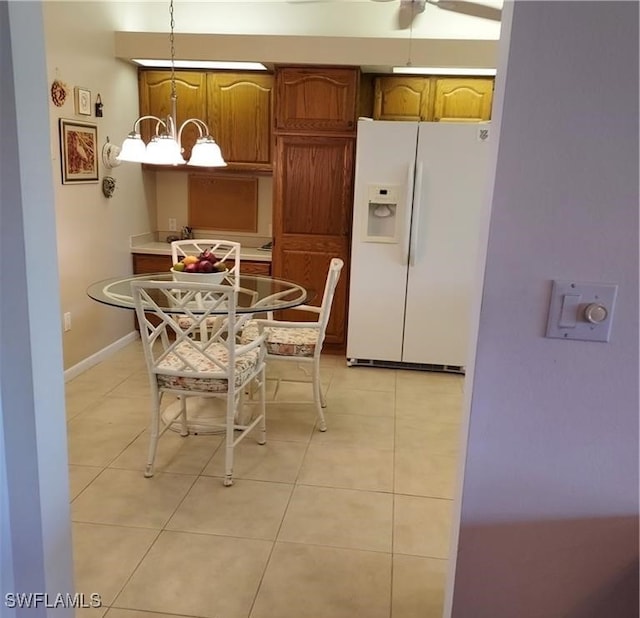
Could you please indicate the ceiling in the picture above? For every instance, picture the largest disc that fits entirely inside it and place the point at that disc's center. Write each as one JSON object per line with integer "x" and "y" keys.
{"x": 356, "y": 32}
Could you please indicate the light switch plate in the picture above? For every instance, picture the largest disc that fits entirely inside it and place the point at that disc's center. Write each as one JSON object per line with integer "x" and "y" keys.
{"x": 568, "y": 310}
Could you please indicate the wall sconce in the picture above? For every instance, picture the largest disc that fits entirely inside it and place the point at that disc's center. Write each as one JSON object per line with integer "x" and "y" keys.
{"x": 110, "y": 154}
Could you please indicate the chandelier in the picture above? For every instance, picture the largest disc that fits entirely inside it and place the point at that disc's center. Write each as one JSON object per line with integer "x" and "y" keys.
{"x": 165, "y": 148}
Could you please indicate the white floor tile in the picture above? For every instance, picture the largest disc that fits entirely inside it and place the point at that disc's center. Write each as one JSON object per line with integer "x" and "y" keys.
{"x": 314, "y": 522}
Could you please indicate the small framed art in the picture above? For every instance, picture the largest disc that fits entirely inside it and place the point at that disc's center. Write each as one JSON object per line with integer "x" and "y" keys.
{"x": 82, "y": 101}
{"x": 78, "y": 151}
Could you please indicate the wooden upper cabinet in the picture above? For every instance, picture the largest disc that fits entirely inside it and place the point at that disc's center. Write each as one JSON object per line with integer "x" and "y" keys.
{"x": 402, "y": 98}
{"x": 240, "y": 110}
{"x": 463, "y": 99}
{"x": 316, "y": 99}
{"x": 155, "y": 100}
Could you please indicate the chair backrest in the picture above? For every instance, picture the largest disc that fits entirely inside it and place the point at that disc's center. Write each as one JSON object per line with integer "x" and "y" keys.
{"x": 225, "y": 250}
{"x": 182, "y": 352}
{"x": 333, "y": 277}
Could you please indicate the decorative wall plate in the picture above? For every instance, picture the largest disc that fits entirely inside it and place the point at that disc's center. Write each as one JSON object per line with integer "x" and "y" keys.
{"x": 58, "y": 93}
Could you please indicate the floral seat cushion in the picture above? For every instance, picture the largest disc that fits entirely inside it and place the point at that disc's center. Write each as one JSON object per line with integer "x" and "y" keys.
{"x": 284, "y": 341}
{"x": 244, "y": 366}
{"x": 185, "y": 322}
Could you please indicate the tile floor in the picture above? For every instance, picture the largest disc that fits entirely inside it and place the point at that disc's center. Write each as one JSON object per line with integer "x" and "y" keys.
{"x": 351, "y": 522}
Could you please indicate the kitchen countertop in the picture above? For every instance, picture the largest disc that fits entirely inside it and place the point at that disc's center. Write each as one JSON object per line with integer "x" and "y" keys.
{"x": 163, "y": 248}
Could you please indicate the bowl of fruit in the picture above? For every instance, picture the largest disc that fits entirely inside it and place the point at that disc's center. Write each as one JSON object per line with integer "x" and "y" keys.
{"x": 203, "y": 268}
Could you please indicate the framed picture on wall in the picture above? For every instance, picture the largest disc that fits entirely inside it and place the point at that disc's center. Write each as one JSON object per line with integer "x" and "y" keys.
{"x": 78, "y": 151}
{"x": 82, "y": 101}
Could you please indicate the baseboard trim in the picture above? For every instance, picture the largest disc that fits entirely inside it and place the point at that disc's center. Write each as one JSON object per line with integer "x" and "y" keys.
{"x": 99, "y": 356}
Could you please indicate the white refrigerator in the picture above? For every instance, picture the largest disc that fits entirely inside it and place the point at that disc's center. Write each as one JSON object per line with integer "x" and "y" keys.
{"x": 420, "y": 191}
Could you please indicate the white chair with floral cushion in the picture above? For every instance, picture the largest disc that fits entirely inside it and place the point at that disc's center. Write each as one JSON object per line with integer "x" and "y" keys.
{"x": 226, "y": 251}
{"x": 188, "y": 366}
{"x": 300, "y": 342}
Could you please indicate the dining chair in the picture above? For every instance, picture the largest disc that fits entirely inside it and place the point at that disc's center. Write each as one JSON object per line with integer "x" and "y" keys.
{"x": 216, "y": 366}
{"x": 299, "y": 342}
{"x": 225, "y": 250}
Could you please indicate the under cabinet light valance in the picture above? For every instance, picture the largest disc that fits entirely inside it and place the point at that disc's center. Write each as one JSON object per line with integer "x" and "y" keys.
{"x": 200, "y": 64}
{"x": 411, "y": 70}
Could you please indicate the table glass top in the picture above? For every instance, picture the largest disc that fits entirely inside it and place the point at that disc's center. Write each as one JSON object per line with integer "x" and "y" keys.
{"x": 256, "y": 294}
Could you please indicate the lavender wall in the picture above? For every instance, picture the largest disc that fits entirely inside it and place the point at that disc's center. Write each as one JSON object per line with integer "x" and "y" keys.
{"x": 549, "y": 515}
{"x": 35, "y": 544}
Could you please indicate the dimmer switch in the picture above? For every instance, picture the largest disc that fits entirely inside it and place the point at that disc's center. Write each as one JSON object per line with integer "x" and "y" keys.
{"x": 581, "y": 311}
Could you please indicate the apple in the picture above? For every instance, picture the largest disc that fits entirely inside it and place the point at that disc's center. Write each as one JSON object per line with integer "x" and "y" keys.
{"x": 207, "y": 255}
{"x": 191, "y": 267}
{"x": 205, "y": 266}
{"x": 178, "y": 266}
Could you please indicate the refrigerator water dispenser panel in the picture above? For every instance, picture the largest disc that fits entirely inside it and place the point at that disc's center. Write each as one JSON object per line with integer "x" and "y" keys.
{"x": 382, "y": 214}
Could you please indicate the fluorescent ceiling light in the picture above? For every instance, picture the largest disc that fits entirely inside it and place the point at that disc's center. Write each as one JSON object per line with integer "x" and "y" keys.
{"x": 442, "y": 71}
{"x": 200, "y": 64}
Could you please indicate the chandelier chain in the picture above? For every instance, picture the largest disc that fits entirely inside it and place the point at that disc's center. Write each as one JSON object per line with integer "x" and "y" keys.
{"x": 410, "y": 35}
{"x": 173, "y": 51}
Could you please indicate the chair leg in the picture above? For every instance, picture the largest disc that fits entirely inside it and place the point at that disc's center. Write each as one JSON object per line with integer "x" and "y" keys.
{"x": 263, "y": 407}
{"x": 318, "y": 397}
{"x": 229, "y": 437}
{"x": 184, "y": 429}
{"x": 154, "y": 431}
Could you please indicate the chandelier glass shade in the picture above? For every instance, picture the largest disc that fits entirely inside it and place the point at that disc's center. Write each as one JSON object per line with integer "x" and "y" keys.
{"x": 165, "y": 147}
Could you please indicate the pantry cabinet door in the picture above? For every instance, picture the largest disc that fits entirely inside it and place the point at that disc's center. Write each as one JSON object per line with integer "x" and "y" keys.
{"x": 316, "y": 99}
{"x": 313, "y": 202}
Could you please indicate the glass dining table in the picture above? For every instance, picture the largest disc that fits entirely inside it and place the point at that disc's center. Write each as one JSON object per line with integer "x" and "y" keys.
{"x": 256, "y": 294}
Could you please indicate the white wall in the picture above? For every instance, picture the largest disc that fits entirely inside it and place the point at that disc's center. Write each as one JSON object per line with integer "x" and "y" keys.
{"x": 34, "y": 488}
{"x": 549, "y": 520}
{"x": 92, "y": 230}
{"x": 352, "y": 18}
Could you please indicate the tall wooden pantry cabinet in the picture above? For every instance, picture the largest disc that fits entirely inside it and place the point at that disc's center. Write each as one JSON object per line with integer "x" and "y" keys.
{"x": 315, "y": 133}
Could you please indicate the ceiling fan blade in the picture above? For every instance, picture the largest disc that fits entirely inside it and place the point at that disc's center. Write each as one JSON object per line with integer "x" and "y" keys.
{"x": 408, "y": 11}
{"x": 469, "y": 8}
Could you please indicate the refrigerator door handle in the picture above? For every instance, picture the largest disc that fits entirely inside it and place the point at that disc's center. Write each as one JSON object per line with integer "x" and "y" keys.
{"x": 415, "y": 219}
{"x": 408, "y": 201}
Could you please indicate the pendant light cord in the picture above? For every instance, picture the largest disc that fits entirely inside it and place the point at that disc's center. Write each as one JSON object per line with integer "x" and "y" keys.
{"x": 173, "y": 52}
{"x": 413, "y": 16}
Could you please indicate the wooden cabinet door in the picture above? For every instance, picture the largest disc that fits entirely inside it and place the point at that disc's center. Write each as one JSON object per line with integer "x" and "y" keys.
{"x": 155, "y": 100}
{"x": 240, "y": 112}
{"x": 313, "y": 201}
{"x": 316, "y": 99}
{"x": 402, "y": 98}
{"x": 306, "y": 261}
{"x": 463, "y": 99}
{"x": 144, "y": 263}
{"x": 255, "y": 268}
